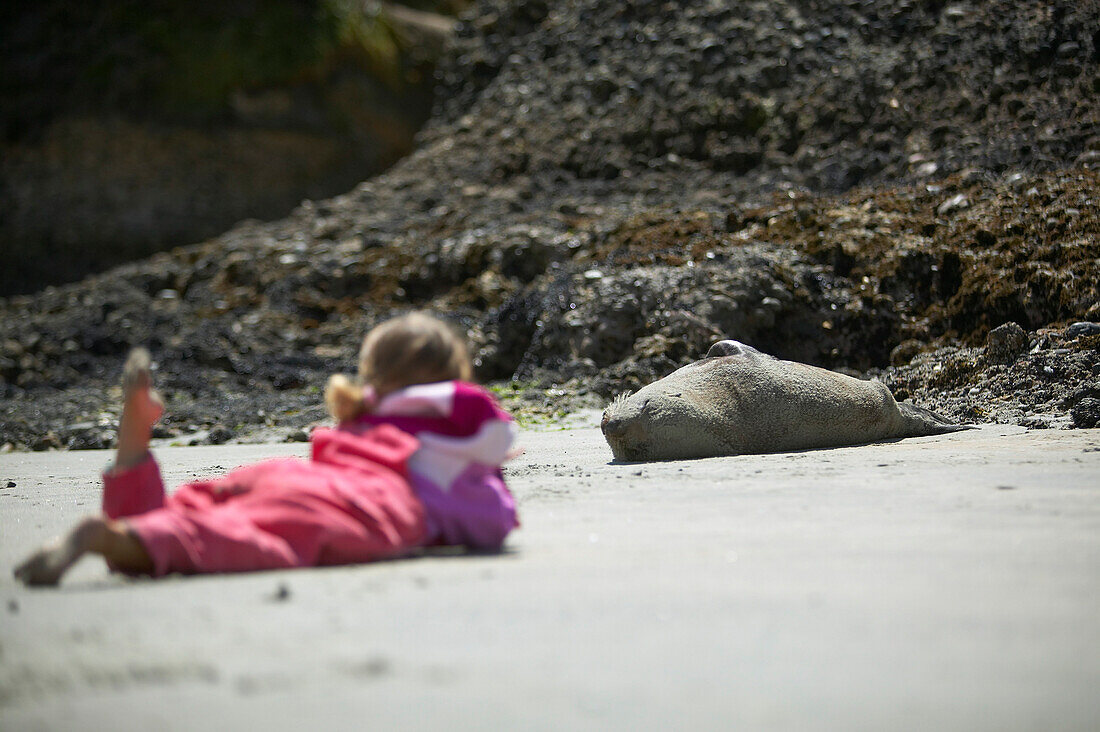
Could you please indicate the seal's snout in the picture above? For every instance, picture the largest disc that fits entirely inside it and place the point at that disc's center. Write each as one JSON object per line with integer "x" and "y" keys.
{"x": 623, "y": 429}
{"x": 617, "y": 426}
{"x": 624, "y": 436}
{"x": 613, "y": 427}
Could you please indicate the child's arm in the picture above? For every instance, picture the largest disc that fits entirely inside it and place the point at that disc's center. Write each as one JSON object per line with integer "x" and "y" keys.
{"x": 491, "y": 445}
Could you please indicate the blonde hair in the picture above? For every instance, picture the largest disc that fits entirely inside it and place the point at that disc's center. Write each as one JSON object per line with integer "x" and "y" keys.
{"x": 411, "y": 349}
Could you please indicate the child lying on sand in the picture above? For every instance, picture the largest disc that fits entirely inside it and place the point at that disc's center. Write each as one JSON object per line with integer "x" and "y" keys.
{"x": 414, "y": 461}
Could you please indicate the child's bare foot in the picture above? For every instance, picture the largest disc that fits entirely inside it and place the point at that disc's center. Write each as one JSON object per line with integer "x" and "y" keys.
{"x": 45, "y": 566}
{"x": 48, "y": 564}
{"x": 113, "y": 540}
{"x": 141, "y": 408}
{"x": 137, "y": 387}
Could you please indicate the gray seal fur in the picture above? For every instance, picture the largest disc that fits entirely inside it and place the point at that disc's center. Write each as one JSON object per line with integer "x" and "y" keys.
{"x": 738, "y": 400}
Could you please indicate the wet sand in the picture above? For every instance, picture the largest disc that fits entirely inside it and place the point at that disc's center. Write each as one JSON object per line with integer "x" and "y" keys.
{"x": 947, "y": 582}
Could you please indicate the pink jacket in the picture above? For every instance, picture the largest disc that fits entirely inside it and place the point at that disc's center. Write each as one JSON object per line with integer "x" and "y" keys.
{"x": 464, "y": 438}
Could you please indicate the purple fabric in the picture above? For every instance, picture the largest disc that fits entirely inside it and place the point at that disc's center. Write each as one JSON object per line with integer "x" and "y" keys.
{"x": 478, "y": 510}
{"x": 474, "y": 508}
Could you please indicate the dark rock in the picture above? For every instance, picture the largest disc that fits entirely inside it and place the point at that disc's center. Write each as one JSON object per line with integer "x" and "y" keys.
{"x": 1089, "y": 159}
{"x": 93, "y": 438}
{"x": 1005, "y": 342}
{"x": 904, "y": 352}
{"x": 1086, "y": 414}
{"x": 297, "y": 436}
{"x": 219, "y": 435}
{"x": 1083, "y": 329}
{"x": 953, "y": 204}
{"x": 985, "y": 238}
{"x": 48, "y": 441}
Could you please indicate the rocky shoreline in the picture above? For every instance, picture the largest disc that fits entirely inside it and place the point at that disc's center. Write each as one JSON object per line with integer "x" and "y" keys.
{"x": 606, "y": 188}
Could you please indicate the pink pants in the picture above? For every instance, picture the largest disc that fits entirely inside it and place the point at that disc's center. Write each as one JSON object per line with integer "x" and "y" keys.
{"x": 351, "y": 502}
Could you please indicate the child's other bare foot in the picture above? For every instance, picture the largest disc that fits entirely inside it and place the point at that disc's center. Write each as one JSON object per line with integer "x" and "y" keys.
{"x": 141, "y": 408}
{"x": 45, "y": 566}
{"x": 48, "y": 564}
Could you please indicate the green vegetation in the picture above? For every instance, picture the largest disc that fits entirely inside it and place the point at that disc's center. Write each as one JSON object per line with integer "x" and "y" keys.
{"x": 208, "y": 51}
{"x": 534, "y": 406}
{"x": 178, "y": 59}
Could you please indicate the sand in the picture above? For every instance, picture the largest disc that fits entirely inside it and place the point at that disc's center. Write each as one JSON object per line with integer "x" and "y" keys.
{"x": 948, "y": 582}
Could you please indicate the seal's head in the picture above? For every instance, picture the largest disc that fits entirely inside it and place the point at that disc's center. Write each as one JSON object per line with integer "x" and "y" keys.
{"x": 680, "y": 416}
{"x": 661, "y": 423}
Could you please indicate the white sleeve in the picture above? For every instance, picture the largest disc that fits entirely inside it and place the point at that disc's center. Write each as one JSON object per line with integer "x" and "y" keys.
{"x": 488, "y": 446}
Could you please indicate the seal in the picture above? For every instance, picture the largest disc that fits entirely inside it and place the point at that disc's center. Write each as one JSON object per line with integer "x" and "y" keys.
{"x": 738, "y": 400}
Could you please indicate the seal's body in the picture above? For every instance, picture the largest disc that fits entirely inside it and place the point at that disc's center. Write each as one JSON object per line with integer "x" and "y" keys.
{"x": 738, "y": 400}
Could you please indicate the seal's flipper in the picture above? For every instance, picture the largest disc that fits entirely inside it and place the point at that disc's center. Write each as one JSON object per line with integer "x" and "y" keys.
{"x": 920, "y": 421}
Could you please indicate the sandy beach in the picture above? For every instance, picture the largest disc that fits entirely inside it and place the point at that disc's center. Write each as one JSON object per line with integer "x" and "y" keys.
{"x": 934, "y": 583}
